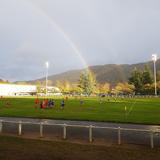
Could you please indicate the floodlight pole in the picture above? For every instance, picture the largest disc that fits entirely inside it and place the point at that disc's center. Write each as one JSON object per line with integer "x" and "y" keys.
{"x": 47, "y": 65}
{"x": 154, "y": 59}
{"x": 155, "y": 77}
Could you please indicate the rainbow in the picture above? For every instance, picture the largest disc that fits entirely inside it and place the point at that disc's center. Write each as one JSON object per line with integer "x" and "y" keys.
{"x": 60, "y": 30}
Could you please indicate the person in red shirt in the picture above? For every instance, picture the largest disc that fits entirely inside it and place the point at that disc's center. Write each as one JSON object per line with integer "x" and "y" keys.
{"x": 66, "y": 99}
{"x": 75, "y": 97}
{"x": 41, "y": 106}
{"x": 7, "y": 103}
{"x": 36, "y": 104}
{"x": 1, "y": 96}
{"x": 46, "y": 102}
{"x": 37, "y": 100}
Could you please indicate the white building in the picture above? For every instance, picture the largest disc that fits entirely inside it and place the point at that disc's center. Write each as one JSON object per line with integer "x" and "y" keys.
{"x": 22, "y": 90}
{"x": 15, "y": 90}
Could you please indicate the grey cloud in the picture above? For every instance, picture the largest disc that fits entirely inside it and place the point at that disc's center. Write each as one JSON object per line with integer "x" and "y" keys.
{"x": 103, "y": 32}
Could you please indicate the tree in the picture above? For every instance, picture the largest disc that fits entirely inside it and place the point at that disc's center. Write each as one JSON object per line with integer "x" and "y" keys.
{"x": 38, "y": 82}
{"x": 39, "y": 88}
{"x": 89, "y": 85}
{"x": 4, "y": 81}
{"x": 127, "y": 90}
{"x": 82, "y": 81}
{"x": 147, "y": 75}
{"x": 22, "y": 83}
{"x": 78, "y": 90}
{"x": 124, "y": 88}
{"x": 132, "y": 88}
{"x": 158, "y": 86}
{"x": 63, "y": 89}
{"x": 147, "y": 88}
{"x": 136, "y": 80}
{"x": 95, "y": 83}
{"x": 158, "y": 76}
{"x": 52, "y": 90}
{"x": 67, "y": 86}
{"x": 104, "y": 88}
{"x": 72, "y": 87}
{"x": 59, "y": 84}
{"x": 49, "y": 83}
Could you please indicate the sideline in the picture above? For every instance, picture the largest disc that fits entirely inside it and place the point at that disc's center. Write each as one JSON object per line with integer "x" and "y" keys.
{"x": 132, "y": 106}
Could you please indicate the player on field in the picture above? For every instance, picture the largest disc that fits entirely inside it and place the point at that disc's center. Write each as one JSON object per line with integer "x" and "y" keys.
{"x": 100, "y": 101}
{"x": 62, "y": 105}
{"x": 36, "y": 104}
{"x": 37, "y": 100}
{"x": 81, "y": 102}
{"x": 115, "y": 99}
{"x": 66, "y": 98}
{"x": 8, "y": 103}
{"x": 46, "y": 102}
{"x": 50, "y": 103}
{"x": 53, "y": 103}
{"x": 123, "y": 99}
{"x": 41, "y": 106}
{"x": 108, "y": 99}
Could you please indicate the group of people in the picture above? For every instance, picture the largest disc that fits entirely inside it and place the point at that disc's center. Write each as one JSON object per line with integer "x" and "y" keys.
{"x": 45, "y": 104}
{"x": 50, "y": 104}
{"x": 7, "y": 101}
{"x": 100, "y": 100}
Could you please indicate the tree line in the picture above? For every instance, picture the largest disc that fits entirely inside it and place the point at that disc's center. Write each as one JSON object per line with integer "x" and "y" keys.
{"x": 139, "y": 82}
{"x": 144, "y": 80}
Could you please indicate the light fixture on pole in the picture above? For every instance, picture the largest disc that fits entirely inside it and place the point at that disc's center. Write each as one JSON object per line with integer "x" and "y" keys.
{"x": 47, "y": 65}
{"x": 154, "y": 58}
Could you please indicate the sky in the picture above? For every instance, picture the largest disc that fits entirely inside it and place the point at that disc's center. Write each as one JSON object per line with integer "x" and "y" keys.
{"x": 74, "y": 34}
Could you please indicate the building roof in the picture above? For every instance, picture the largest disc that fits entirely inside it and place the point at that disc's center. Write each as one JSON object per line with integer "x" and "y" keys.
{"x": 9, "y": 88}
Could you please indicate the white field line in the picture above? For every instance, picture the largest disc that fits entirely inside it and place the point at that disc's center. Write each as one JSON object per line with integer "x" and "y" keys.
{"x": 132, "y": 107}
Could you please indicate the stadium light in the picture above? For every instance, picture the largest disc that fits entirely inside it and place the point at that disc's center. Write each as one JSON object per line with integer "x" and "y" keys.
{"x": 154, "y": 58}
{"x": 47, "y": 65}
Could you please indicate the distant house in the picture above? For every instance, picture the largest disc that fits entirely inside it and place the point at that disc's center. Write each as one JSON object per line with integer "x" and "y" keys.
{"x": 54, "y": 88}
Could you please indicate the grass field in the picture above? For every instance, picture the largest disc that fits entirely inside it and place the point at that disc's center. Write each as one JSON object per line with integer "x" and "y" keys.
{"x": 143, "y": 110}
{"x": 30, "y": 149}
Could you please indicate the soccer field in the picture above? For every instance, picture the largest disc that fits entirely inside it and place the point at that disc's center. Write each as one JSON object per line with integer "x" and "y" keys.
{"x": 143, "y": 110}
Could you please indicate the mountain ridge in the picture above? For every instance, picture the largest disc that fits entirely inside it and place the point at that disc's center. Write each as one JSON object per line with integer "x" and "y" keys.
{"x": 108, "y": 73}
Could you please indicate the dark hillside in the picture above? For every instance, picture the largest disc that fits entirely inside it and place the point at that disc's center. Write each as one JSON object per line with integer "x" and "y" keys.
{"x": 110, "y": 73}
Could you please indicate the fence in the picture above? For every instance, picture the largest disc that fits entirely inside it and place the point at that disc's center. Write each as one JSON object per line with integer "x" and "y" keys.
{"x": 90, "y": 127}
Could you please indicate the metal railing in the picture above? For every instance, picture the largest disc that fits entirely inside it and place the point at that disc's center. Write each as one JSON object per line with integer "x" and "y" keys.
{"x": 90, "y": 127}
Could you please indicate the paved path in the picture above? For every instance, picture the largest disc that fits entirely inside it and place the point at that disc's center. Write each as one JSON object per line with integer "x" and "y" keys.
{"x": 83, "y": 133}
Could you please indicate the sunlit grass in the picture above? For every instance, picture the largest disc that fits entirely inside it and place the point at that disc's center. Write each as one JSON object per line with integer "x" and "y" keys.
{"x": 144, "y": 110}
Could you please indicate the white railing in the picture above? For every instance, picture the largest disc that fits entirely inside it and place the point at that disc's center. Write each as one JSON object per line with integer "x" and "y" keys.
{"x": 79, "y": 126}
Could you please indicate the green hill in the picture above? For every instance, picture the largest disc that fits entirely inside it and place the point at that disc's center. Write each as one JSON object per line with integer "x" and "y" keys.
{"x": 110, "y": 73}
